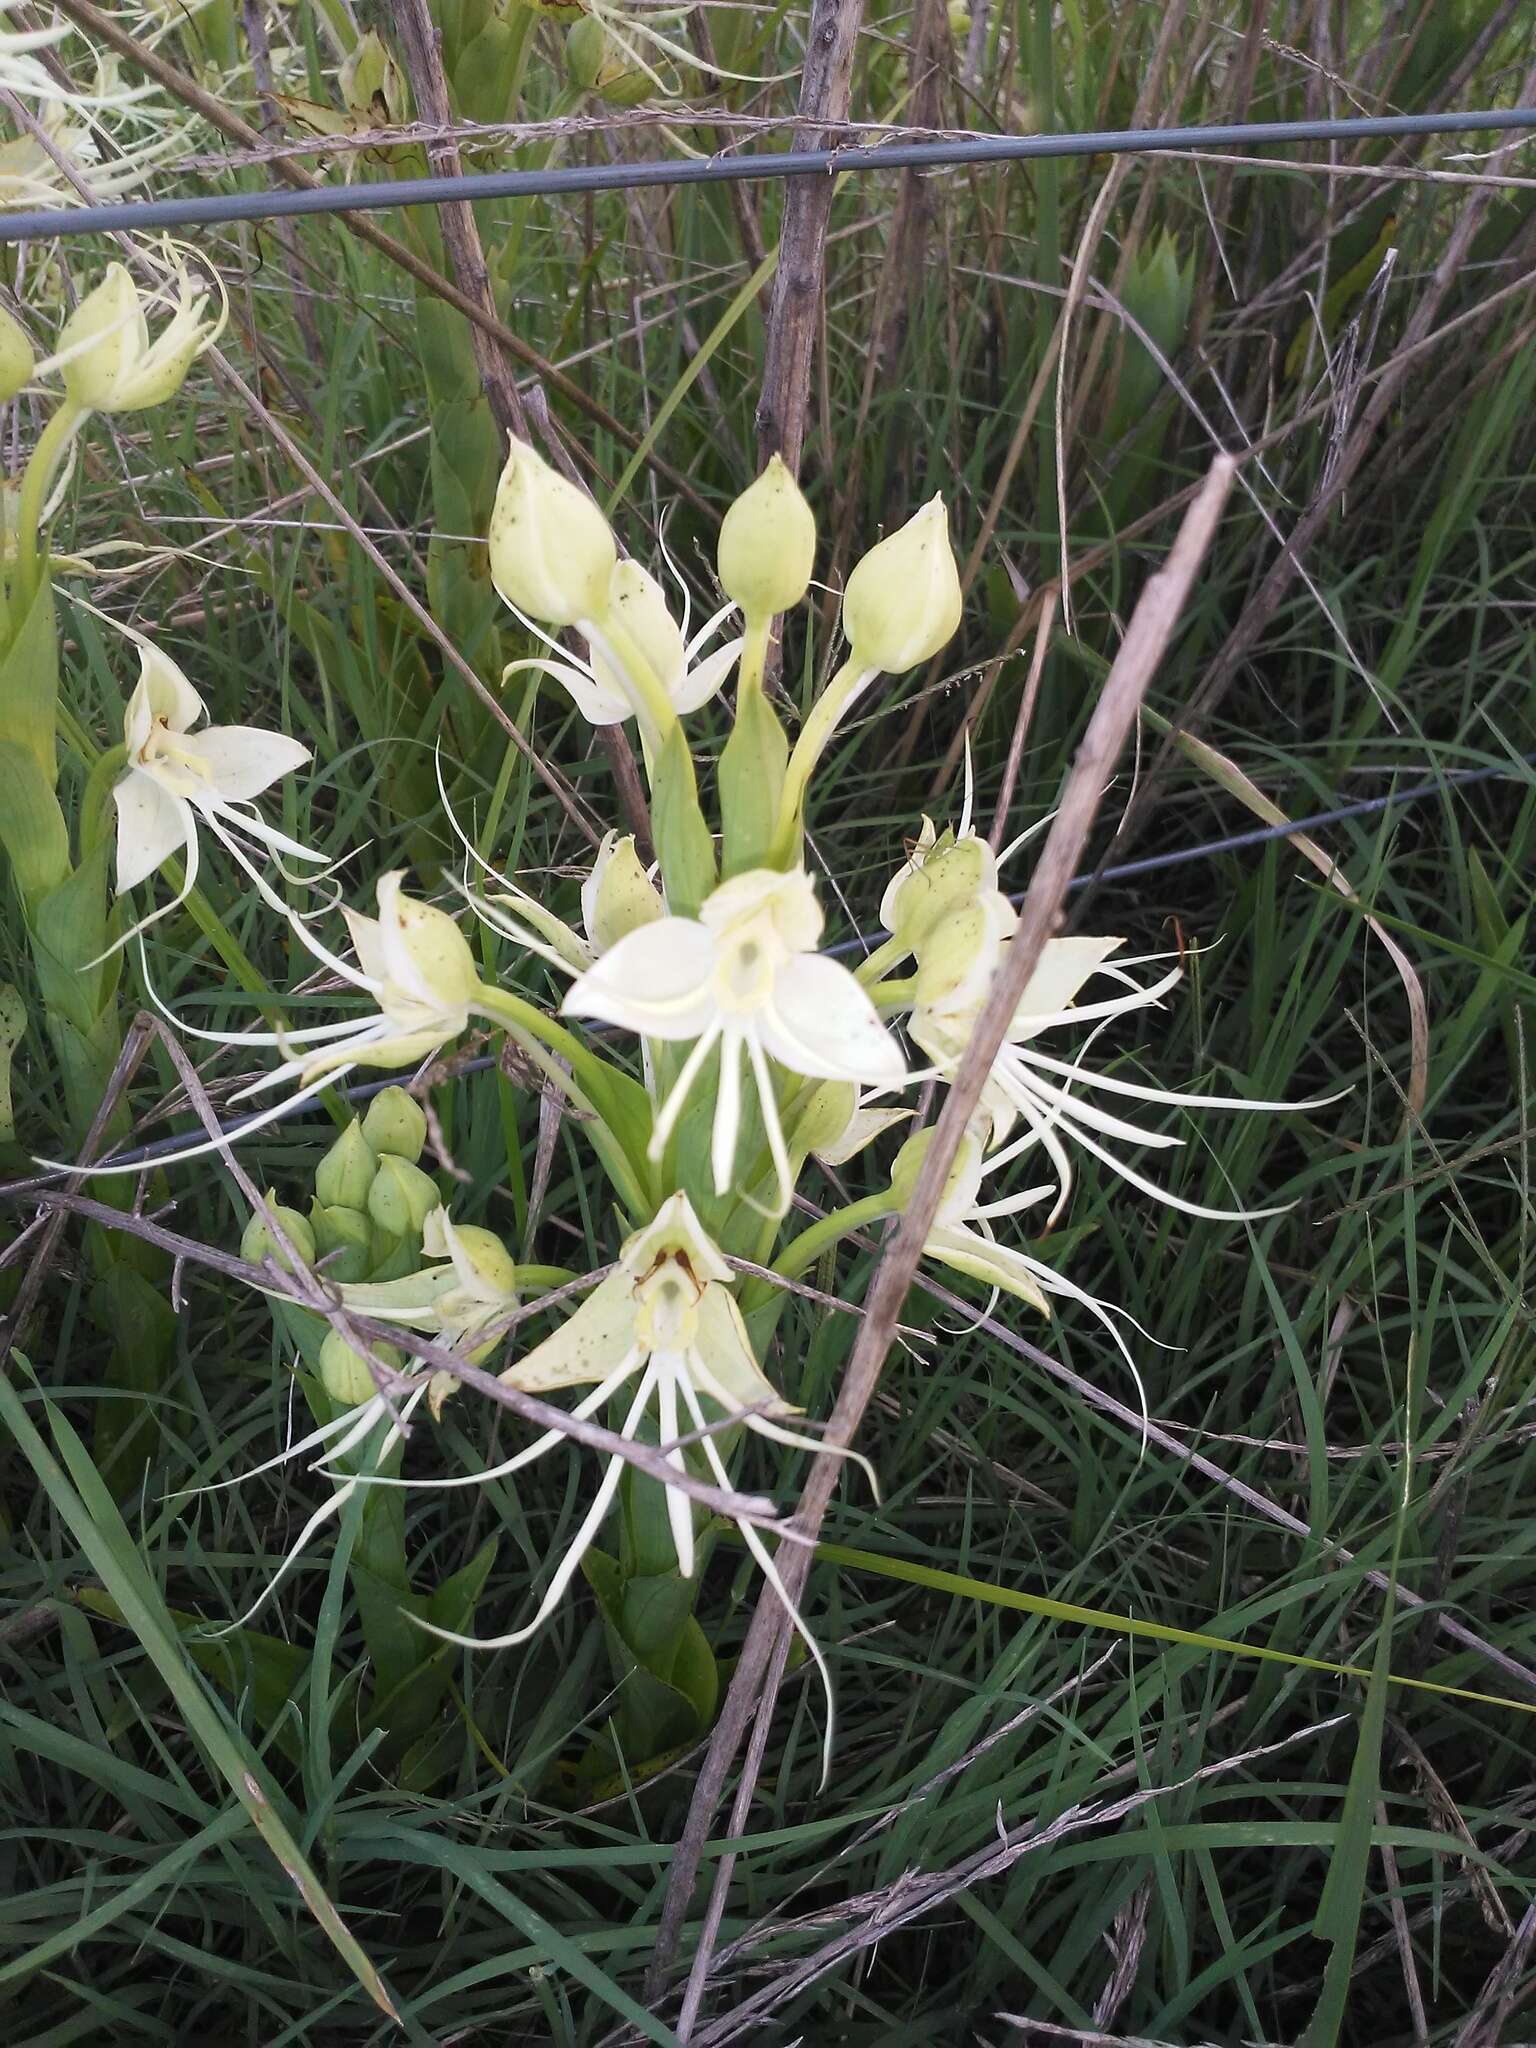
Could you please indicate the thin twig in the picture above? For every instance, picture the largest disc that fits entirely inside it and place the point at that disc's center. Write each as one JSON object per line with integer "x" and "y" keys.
{"x": 825, "y": 90}
{"x": 422, "y": 43}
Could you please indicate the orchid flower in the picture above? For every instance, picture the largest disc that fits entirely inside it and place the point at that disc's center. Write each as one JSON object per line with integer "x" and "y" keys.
{"x": 744, "y": 976}
{"x": 349, "y": 1382}
{"x": 1030, "y": 1085}
{"x": 634, "y": 625}
{"x": 107, "y": 357}
{"x": 176, "y": 778}
{"x": 963, "y": 1239}
{"x": 415, "y": 964}
{"x": 453, "y": 1301}
{"x": 665, "y": 1322}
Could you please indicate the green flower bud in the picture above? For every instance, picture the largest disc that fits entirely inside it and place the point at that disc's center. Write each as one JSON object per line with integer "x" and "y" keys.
{"x": 618, "y": 896}
{"x": 16, "y": 357}
{"x": 396, "y": 1123}
{"x": 345, "y": 1174}
{"x": 112, "y": 364}
{"x": 903, "y": 603}
{"x": 767, "y": 544}
{"x": 345, "y": 1373}
{"x": 950, "y": 877}
{"x": 344, "y": 1242}
{"x": 552, "y": 552}
{"x": 258, "y": 1243}
{"x": 959, "y": 955}
{"x": 402, "y": 1197}
{"x": 482, "y": 1264}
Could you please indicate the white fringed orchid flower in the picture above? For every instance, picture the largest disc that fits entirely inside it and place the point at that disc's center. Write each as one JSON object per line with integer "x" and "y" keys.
{"x": 176, "y": 778}
{"x": 744, "y": 976}
{"x": 963, "y": 1239}
{"x": 367, "y": 1430}
{"x": 415, "y": 964}
{"x": 632, "y": 627}
{"x": 1030, "y": 1085}
{"x": 665, "y": 1321}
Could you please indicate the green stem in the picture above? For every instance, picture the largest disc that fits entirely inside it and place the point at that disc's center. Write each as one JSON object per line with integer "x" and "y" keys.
{"x": 588, "y": 1084}
{"x": 52, "y": 445}
{"x": 807, "y": 751}
{"x": 655, "y": 707}
{"x": 889, "y": 953}
{"x": 754, "y": 658}
{"x": 891, "y": 996}
{"x": 803, "y": 1251}
{"x": 807, "y": 1248}
{"x": 545, "y": 1278}
{"x": 95, "y": 820}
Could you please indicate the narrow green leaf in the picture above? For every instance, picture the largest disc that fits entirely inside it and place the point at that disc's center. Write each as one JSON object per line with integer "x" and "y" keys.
{"x": 91, "y": 1515}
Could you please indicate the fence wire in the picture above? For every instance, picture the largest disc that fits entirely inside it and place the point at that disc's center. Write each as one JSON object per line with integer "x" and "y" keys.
{"x": 219, "y": 209}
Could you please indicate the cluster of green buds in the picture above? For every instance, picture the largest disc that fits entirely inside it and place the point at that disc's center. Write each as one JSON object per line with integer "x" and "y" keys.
{"x": 371, "y": 1199}
{"x": 378, "y": 1233}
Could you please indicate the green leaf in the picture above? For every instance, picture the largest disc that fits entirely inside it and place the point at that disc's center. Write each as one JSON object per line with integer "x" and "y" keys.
{"x": 683, "y": 842}
{"x": 91, "y": 1516}
{"x": 141, "y": 1325}
{"x": 29, "y": 684}
{"x": 751, "y": 776}
{"x": 13, "y": 1025}
{"x": 32, "y": 827}
{"x": 406, "y": 1710}
{"x": 1122, "y": 1624}
{"x": 245, "y": 1664}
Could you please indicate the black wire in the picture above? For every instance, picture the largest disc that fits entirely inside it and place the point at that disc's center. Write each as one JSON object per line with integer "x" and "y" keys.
{"x": 212, "y": 211}
{"x": 1262, "y": 835}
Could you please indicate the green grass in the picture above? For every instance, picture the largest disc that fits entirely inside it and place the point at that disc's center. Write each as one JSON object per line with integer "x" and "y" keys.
{"x": 1362, "y": 1362}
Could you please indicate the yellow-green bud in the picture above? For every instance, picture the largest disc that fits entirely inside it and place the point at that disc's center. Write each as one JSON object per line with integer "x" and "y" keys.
{"x": 344, "y": 1242}
{"x": 767, "y": 544}
{"x": 552, "y": 552}
{"x": 345, "y": 1373}
{"x": 903, "y": 599}
{"x": 481, "y": 1261}
{"x": 396, "y": 1123}
{"x": 402, "y": 1196}
{"x": 618, "y": 896}
{"x": 950, "y": 879}
{"x": 16, "y": 357}
{"x": 345, "y": 1174}
{"x": 371, "y": 84}
{"x": 112, "y": 364}
{"x": 637, "y": 603}
{"x": 826, "y": 1116}
{"x": 258, "y": 1243}
{"x": 959, "y": 955}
